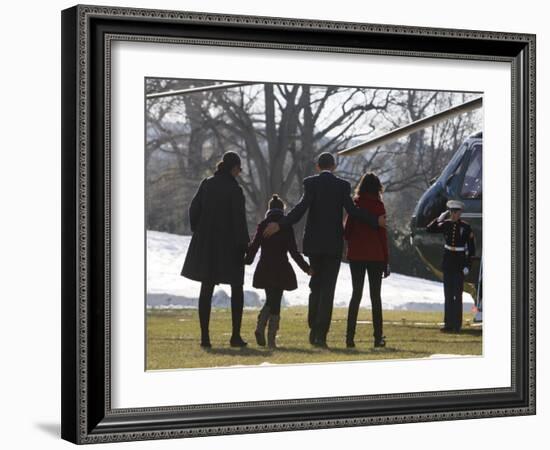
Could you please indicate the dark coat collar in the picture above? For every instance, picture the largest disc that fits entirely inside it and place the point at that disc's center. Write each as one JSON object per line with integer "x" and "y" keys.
{"x": 225, "y": 175}
{"x": 274, "y": 212}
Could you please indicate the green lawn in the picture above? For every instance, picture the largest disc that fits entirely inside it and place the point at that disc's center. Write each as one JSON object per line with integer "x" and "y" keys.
{"x": 173, "y": 339}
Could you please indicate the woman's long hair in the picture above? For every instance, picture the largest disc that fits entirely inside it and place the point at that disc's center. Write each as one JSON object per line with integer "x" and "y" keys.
{"x": 369, "y": 183}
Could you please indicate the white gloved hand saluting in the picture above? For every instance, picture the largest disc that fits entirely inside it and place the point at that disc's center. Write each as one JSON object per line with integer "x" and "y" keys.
{"x": 443, "y": 216}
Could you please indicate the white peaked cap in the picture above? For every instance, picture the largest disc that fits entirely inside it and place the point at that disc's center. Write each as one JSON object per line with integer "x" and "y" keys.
{"x": 455, "y": 204}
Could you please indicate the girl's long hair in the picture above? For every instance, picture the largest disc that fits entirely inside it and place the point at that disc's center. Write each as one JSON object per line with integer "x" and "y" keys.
{"x": 369, "y": 183}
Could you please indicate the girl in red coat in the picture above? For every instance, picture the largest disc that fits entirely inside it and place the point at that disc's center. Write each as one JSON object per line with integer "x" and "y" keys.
{"x": 273, "y": 272}
{"x": 367, "y": 253}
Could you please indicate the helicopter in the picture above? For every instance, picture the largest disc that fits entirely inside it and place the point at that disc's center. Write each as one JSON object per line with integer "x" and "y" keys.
{"x": 461, "y": 179}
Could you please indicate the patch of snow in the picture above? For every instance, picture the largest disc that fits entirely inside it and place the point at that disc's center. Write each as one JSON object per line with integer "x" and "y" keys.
{"x": 166, "y": 288}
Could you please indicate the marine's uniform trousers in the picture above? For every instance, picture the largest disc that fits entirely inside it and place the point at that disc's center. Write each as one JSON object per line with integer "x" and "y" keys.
{"x": 457, "y": 255}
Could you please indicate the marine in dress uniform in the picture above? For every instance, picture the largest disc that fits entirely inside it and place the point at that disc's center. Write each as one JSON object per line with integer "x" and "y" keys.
{"x": 457, "y": 260}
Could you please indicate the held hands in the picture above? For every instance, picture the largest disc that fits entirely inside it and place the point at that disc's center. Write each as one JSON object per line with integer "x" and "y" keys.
{"x": 270, "y": 229}
{"x": 310, "y": 272}
{"x": 386, "y": 271}
{"x": 382, "y": 221}
{"x": 248, "y": 258}
{"x": 465, "y": 271}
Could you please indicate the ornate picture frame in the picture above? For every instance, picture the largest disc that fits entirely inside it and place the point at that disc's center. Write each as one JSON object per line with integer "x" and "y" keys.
{"x": 87, "y": 35}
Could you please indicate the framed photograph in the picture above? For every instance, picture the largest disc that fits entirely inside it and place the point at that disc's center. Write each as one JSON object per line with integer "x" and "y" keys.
{"x": 282, "y": 224}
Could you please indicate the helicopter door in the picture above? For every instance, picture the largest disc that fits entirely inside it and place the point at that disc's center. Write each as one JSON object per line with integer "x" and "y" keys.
{"x": 470, "y": 193}
{"x": 471, "y": 186}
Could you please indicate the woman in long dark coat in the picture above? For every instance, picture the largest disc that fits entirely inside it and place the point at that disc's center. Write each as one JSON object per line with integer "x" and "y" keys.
{"x": 274, "y": 272}
{"x": 219, "y": 242}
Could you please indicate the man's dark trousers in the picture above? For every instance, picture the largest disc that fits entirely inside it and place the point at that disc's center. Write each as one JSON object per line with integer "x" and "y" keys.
{"x": 453, "y": 284}
{"x": 325, "y": 198}
{"x": 321, "y": 298}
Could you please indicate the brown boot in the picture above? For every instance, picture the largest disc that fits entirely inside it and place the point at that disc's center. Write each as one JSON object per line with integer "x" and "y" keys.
{"x": 272, "y": 328}
{"x": 263, "y": 317}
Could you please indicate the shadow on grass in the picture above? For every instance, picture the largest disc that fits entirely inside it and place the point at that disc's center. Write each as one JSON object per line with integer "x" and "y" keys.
{"x": 376, "y": 351}
{"x": 253, "y": 352}
{"x": 266, "y": 352}
{"x": 174, "y": 338}
{"x": 438, "y": 341}
{"x": 229, "y": 351}
{"x": 464, "y": 331}
{"x": 470, "y": 332}
{"x": 297, "y": 350}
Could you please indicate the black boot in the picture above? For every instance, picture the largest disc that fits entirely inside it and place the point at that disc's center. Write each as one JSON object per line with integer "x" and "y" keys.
{"x": 237, "y": 341}
{"x": 272, "y": 328}
{"x": 237, "y": 304}
{"x": 353, "y": 312}
{"x": 263, "y": 317}
{"x": 205, "y": 343}
{"x": 350, "y": 334}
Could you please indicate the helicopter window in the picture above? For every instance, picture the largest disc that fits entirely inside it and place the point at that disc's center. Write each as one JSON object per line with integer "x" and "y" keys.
{"x": 454, "y": 163}
{"x": 471, "y": 188}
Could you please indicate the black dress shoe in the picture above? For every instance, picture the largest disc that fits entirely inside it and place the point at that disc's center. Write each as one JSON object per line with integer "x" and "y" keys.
{"x": 237, "y": 342}
{"x": 445, "y": 330}
{"x": 206, "y": 344}
{"x": 311, "y": 337}
{"x": 350, "y": 344}
{"x": 321, "y": 344}
{"x": 380, "y": 342}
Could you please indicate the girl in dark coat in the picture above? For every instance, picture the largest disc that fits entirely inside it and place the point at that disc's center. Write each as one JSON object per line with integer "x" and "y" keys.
{"x": 367, "y": 254}
{"x": 219, "y": 242}
{"x": 273, "y": 272}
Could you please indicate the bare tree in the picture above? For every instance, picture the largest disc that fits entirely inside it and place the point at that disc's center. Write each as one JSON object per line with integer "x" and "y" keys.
{"x": 279, "y": 130}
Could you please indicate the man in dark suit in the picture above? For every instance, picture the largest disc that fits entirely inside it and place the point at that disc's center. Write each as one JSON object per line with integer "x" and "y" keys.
{"x": 325, "y": 197}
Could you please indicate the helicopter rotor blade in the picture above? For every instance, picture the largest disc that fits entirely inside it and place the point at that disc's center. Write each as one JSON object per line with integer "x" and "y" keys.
{"x": 212, "y": 87}
{"x": 414, "y": 126}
